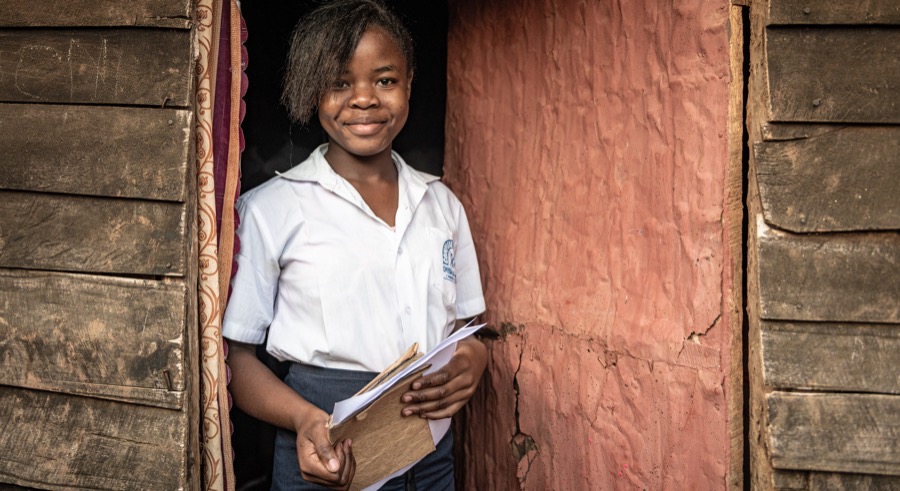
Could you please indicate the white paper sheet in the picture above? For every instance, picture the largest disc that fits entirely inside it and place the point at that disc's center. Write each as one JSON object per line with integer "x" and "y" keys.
{"x": 438, "y": 357}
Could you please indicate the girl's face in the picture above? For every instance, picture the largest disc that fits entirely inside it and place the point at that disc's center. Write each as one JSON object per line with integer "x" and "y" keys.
{"x": 369, "y": 103}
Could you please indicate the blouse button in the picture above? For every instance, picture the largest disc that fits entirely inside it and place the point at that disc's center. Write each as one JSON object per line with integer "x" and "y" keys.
{"x": 408, "y": 309}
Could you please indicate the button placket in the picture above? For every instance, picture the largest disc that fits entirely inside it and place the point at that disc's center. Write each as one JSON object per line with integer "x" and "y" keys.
{"x": 404, "y": 281}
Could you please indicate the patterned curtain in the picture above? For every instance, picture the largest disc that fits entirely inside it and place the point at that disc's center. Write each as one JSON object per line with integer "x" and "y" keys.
{"x": 221, "y": 84}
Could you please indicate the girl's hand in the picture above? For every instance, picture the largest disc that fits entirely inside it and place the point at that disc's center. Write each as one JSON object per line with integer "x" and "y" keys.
{"x": 444, "y": 392}
{"x": 320, "y": 463}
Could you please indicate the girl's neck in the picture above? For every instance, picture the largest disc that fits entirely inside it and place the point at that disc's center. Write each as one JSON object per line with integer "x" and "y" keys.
{"x": 362, "y": 168}
{"x": 374, "y": 177}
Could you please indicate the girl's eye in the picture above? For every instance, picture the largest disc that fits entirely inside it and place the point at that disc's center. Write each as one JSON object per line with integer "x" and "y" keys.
{"x": 386, "y": 82}
{"x": 339, "y": 84}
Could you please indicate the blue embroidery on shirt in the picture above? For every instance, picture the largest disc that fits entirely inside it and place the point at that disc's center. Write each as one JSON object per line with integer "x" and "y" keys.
{"x": 448, "y": 254}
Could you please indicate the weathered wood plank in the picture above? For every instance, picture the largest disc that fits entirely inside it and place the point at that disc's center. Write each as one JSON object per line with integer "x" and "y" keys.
{"x": 834, "y": 432}
{"x": 839, "y": 12}
{"x": 735, "y": 248}
{"x": 796, "y": 131}
{"x": 790, "y": 480}
{"x": 758, "y": 474}
{"x": 96, "y": 66}
{"x": 192, "y": 359}
{"x": 102, "y": 336}
{"x": 97, "y": 235}
{"x": 95, "y": 150}
{"x": 845, "y": 357}
{"x": 56, "y": 441}
{"x": 827, "y": 481}
{"x": 833, "y": 481}
{"x": 839, "y": 278}
{"x": 834, "y": 74}
{"x": 14, "y": 487}
{"x": 96, "y": 13}
{"x": 839, "y": 180}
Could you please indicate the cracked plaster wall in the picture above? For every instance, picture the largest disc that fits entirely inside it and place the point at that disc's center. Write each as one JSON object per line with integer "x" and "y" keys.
{"x": 588, "y": 143}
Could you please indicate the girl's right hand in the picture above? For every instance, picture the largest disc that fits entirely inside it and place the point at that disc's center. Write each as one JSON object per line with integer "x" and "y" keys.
{"x": 264, "y": 396}
{"x": 320, "y": 463}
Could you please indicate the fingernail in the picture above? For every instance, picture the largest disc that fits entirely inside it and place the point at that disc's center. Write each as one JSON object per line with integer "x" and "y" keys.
{"x": 407, "y": 398}
{"x": 407, "y": 412}
{"x": 333, "y": 465}
{"x": 417, "y": 386}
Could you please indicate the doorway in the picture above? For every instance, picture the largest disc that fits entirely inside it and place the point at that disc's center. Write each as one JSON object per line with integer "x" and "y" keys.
{"x": 274, "y": 144}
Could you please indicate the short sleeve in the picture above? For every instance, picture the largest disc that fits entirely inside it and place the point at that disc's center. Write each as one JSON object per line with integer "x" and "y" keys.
{"x": 253, "y": 289}
{"x": 469, "y": 295}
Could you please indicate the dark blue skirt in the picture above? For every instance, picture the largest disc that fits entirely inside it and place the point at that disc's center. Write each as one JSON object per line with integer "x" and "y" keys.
{"x": 325, "y": 386}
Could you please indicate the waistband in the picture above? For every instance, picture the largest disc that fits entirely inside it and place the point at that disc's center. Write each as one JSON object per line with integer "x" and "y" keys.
{"x": 331, "y": 374}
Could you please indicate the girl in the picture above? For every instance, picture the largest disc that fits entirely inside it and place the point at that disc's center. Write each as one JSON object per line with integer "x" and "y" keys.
{"x": 350, "y": 257}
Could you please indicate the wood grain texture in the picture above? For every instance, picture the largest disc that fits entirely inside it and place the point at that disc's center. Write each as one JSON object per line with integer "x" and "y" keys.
{"x": 94, "y": 335}
{"x": 57, "y": 441}
{"x": 759, "y": 471}
{"x": 799, "y": 131}
{"x": 840, "y": 12}
{"x": 790, "y": 480}
{"x": 95, "y": 150}
{"x": 843, "y": 357}
{"x": 833, "y": 481}
{"x": 95, "y": 235}
{"x": 192, "y": 359}
{"x": 838, "y": 278}
{"x": 855, "y": 433}
{"x": 14, "y": 487}
{"x": 834, "y": 74}
{"x": 732, "y": 219}
{"x": 828, "y": 481}
{"x": 82, "y": 13}
{"x": 96, "y": 66}
{"x": 837, "y": 179}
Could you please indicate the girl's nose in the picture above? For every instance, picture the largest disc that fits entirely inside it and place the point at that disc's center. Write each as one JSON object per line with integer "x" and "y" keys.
{"x": 363, "y": 97}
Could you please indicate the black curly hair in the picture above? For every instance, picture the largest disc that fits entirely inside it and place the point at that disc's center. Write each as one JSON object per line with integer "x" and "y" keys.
{"x": 323, "y": 43}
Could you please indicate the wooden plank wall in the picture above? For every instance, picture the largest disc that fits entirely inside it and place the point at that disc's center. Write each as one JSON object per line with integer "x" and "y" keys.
{"x": 824, "y": 251}
{"x": 97, "y": 246}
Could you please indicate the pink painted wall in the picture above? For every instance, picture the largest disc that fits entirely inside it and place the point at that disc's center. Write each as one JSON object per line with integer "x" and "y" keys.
{"x": 588, "y": 142}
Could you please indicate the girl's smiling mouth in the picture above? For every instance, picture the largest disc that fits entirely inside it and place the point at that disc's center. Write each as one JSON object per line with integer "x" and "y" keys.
{"x": 364, "y": 126}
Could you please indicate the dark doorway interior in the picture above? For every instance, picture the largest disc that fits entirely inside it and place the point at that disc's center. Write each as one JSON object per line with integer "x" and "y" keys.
{"x": 274, "y": 144}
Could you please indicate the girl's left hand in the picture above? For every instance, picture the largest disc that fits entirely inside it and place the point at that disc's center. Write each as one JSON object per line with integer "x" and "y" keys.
{"x": 441, "y": 394}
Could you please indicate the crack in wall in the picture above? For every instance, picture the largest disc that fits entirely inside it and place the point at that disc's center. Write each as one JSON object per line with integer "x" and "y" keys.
{"x": 694, "y": 336}
{"x": 524, "y": 448}
{"x": 609, "y": 358}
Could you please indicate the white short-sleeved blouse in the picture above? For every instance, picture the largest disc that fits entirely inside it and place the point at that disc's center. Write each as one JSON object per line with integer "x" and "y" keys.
{"x": 334, "y": 285}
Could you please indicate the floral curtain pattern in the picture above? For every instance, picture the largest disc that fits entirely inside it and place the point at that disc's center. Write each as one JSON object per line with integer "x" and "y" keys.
{"x": 221, "y": 83}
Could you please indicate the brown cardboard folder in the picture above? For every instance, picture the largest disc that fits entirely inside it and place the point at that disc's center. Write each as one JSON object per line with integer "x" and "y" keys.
{"x": 383, "y": 440}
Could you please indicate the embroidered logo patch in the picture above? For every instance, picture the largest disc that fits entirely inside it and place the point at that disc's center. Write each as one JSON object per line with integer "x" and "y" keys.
{"x": 448, "y": 255}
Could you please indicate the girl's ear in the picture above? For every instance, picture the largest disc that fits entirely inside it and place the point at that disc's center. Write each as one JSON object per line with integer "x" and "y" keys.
{"x": 409, "y": 79}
